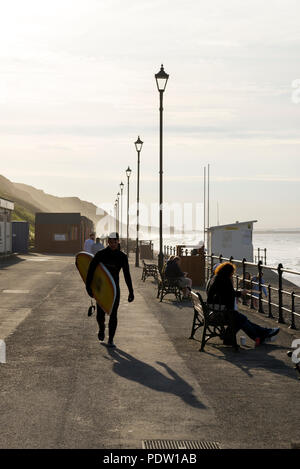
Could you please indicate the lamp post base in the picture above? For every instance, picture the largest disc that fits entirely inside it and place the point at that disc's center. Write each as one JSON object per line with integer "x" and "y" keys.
{"x": 160, "y": 261}
{"x": 137, "y": 255}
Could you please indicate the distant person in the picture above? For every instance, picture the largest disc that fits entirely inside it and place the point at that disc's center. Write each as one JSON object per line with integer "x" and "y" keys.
{"x": 98, "y": 246}
{"x": 222, "y": 293}
{"x": 174, "y": 272}
{"x": 89, "y": 243}
{"x": 114, "y": 260}
{"x": 245, "y": 283}
{"x": 255, "y": 289}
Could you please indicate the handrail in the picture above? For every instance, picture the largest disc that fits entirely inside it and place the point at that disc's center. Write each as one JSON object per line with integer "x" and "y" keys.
{"x": 257, "y": 301}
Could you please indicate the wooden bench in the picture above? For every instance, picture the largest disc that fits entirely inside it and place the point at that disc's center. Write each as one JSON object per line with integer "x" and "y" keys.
{"x": 149, "y": 270}
{"x": 166, "y": 286}
{"x": 212, "y": 319}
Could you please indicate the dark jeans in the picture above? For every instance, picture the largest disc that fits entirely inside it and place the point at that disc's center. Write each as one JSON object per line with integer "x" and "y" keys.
{"x": 113, "y": 319}
{"x": 250, "y": 328}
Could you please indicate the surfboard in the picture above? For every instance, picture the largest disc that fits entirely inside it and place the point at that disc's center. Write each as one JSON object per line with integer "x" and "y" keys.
{"x": 103, "y": 285}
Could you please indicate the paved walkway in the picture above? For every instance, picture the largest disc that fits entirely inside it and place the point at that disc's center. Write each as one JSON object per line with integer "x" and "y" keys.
{"x": 61, "y": 388}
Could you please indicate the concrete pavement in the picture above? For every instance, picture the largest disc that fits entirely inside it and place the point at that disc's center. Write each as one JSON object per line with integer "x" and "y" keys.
{"x": 61, "y": 388}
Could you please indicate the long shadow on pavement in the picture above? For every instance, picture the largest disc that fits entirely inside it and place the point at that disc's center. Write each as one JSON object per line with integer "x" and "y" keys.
{"x": 254, "y": 359}
{"x": 136, "y": 370}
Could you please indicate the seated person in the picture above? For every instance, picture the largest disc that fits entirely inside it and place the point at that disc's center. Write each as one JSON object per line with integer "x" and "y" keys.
{"x": 174, "y": 272}
{"x": 222, "y": 293}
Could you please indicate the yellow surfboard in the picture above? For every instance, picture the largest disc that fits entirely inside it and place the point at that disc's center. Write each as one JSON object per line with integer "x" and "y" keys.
{"x": 103, "y": 285}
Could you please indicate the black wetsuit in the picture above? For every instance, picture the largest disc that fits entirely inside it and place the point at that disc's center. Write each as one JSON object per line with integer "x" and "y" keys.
{"x": 114, "y": 261}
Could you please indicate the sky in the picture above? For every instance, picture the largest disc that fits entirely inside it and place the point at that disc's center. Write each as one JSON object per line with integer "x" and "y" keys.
{"x": 77, "y": 88}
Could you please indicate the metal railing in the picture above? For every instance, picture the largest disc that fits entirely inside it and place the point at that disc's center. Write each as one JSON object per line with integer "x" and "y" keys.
{"x": 261, "y": 255}
{"x": 287, "y": 301}
{"x": 173, "y": 251}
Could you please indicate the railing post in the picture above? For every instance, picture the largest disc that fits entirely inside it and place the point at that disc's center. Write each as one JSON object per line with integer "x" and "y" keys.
{"x": 251, "y": 295}
{"x": 260, "y": 306}
{"x": 280, "y": 316}
{"x": 244, "y": 283}
{"x": 293, "y": 325}
{"x": 270, "y": 315}
{"x": 211, "y": 264}
{"x": 220, "y": 258}
{"x": 265, "y": 256}
{"x": 258, "y": 254}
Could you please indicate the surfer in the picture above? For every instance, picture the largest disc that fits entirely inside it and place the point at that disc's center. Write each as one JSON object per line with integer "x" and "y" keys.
{"x": 114, "y": 260}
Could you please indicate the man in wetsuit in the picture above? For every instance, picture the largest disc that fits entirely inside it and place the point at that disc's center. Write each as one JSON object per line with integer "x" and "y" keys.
{"x": 114, "y": 260}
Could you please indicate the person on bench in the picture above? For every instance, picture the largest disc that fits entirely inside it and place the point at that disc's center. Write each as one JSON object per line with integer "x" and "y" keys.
{"x": 221, "y": 293}
{"x": 174, "y": 272}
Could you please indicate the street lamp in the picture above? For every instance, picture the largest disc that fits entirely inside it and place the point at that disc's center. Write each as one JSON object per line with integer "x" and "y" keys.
{"x": 116, "y": 214}
{"x": 138, "y": 146}
{"x": 118, "y": 211}
{"x": 161, "y": 80}
{"x": 128, "y": 172}
{"x": 121, "y": 187}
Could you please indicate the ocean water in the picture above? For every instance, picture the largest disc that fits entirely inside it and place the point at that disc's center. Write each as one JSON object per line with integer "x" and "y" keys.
{"x": 282, "y": 247}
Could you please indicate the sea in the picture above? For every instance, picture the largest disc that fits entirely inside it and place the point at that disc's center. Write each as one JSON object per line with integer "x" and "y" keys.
{"x": 281, "y": 247}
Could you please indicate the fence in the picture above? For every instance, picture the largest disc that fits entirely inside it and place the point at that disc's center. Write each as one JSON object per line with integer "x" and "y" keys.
{"x": 259, "y": 256}
{"x": 286, "y": 300}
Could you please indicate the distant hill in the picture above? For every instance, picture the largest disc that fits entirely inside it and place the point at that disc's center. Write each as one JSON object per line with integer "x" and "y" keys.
{"x": 29, "y": 200}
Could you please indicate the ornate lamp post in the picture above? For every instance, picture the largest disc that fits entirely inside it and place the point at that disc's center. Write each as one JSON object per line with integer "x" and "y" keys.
{"x": 161, "y": 80}
{"x": 121, "y": 188}
{"x": 116, "y": 214}
{"x": 128, "y": 173}
{"x": 138, "y": 146}
{"x": 118, "y": 211}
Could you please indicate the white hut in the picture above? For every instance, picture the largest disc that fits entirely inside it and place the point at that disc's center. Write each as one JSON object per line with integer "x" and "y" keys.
{"x": 234, "y": 240}
{"x": 6, "y": 208}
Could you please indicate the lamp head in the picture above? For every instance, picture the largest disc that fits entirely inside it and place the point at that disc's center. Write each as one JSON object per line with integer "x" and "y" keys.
{"x": 128, "y": 172}
{"x": 138, "y": 144}
{"x": 161, "y": 79}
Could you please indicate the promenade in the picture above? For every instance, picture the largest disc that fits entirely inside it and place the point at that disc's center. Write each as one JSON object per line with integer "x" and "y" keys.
{"x": 61, "y": 388}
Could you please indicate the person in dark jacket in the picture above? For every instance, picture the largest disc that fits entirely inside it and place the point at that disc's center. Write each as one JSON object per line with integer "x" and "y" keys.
{"x": 174, "y": 272}
{"x": 222, "y": 293}
{"x": 115, "y": 260}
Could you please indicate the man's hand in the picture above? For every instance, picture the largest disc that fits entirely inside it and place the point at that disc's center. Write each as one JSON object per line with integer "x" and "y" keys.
{"x": 130, "y": 297}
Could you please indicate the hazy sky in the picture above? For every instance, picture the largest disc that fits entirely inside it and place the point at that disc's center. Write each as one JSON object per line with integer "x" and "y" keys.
{"x": 77, "y": 87}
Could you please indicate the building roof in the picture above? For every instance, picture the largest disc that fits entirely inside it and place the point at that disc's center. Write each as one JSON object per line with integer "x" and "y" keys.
{"x": 42, "y": 218}
{"x": 8, "y": 204}
{"x": 231, "y": 224}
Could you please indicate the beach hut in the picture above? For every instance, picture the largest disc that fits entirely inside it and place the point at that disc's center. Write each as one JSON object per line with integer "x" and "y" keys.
{"x": 234, "y": 239}
{"x": 6, "y": 209}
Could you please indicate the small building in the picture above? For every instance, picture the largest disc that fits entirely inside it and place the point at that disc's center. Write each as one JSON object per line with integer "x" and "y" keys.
{"x": 234, "y": 240}
{"x": 61, "y": 233}
{"x": 20, "y": 236}
{"x": 6, "y": 209}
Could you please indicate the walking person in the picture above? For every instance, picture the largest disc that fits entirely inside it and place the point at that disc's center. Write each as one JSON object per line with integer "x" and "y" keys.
{"x": 98, "y": 246}
{"x": 222, "y": 293}
{"x": 114, "y": 260}
{"x": 89, "y": 243}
